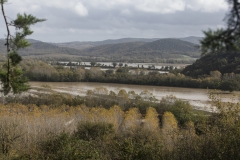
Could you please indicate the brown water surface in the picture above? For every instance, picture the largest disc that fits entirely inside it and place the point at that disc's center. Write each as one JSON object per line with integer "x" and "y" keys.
{"x": 197, "y": 97}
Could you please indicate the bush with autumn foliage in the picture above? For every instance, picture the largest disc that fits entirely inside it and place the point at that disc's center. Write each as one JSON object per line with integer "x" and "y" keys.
{"x": 61, "y": 131}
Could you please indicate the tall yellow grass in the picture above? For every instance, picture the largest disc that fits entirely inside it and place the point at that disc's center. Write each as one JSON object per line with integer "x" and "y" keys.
{"x": 28, "y": 125}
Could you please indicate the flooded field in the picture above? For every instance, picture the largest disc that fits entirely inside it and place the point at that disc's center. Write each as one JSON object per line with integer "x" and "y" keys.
{"x": 199, "y": 98}
{"x": 139, "y": 65}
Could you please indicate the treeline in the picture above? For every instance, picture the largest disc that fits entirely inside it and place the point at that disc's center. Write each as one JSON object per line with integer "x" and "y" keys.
{"x": 40, "y": 71}
{"x": 54, "y": 130}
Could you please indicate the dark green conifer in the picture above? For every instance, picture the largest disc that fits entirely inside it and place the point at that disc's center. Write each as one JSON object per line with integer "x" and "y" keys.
{"x": 224, "y": 39}
{"x": 11, "y": 75}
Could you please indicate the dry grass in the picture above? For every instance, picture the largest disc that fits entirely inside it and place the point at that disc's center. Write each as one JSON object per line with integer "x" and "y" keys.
{"x": 23, "y": 127}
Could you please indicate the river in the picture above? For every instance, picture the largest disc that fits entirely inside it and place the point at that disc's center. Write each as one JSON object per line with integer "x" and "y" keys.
{"x": 197, "y": 97}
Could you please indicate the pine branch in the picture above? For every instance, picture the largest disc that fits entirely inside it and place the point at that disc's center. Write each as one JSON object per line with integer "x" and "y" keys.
{"x": 10, "y": 75}
{"x": 224, "y": 39}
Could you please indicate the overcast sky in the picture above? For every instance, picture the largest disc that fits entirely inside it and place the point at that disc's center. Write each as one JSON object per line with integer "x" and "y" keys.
{"x": 93, "y": 20}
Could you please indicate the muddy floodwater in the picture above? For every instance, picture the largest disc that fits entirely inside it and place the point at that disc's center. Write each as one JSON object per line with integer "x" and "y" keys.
{"x": 197, "y": 97}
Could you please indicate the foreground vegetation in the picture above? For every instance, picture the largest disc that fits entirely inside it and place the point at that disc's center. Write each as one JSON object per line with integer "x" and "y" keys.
{"x": 60, "y": 126}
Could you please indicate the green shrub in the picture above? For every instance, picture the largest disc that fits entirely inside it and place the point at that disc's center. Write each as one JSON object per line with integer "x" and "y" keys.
{"x": 67, "y": 147}
{"x": 93, "y": 130}
{"x": 138, "y": 145}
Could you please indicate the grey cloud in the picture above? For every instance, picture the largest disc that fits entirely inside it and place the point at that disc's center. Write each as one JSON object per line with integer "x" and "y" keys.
{"x": 101, "y": 23}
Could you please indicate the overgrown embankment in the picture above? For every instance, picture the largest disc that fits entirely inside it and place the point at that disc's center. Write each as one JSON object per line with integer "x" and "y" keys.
{"x": 60, "y": 126}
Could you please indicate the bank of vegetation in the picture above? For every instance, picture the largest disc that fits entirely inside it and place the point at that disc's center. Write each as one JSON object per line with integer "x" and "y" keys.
{"x": 58, "y": 126}
{"x": 40, "y": 71}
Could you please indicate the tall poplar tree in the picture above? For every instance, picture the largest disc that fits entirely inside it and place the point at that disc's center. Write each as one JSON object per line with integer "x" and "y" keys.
{"x": 11, "y": 75}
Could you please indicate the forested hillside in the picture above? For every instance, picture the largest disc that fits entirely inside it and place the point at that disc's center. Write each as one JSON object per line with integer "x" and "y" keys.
{"x": 41, "y": 48}
{"x": 120, "y": 49}
{"x": 164, "y": 50}
{"x": 170, "y": 46}
{"x": 146, "y": 50}
{"x": 46, "y": 48}
{"x": 224, "y": 62}
{"x": 84, "y": 45}
{"x": 192, "y": 39}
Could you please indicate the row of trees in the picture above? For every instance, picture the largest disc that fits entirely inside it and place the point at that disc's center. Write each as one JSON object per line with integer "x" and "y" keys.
{"x": 40, "y": 71}
{"x": 113, "y": 65}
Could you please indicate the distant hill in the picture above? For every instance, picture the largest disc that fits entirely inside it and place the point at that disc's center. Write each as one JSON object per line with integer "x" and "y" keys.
{"x": 85, "y": 45}
{"x": 42, "y": 48}
{"x": 125, "y": 40}
{"x": 33, "y": 41}
{"x": 112, "y": 49}
{"x": 131, "y": 50}
{"x": 192, "y": 39}
{"x": 172, "y": 46}
{"x": 38, "y": 48}
{"x": 168, "y": 49}
{"x": 76, "y": 45}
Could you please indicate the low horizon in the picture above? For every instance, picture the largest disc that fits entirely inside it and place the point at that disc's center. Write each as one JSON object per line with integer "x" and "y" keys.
{"x": 31, "y": 38}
